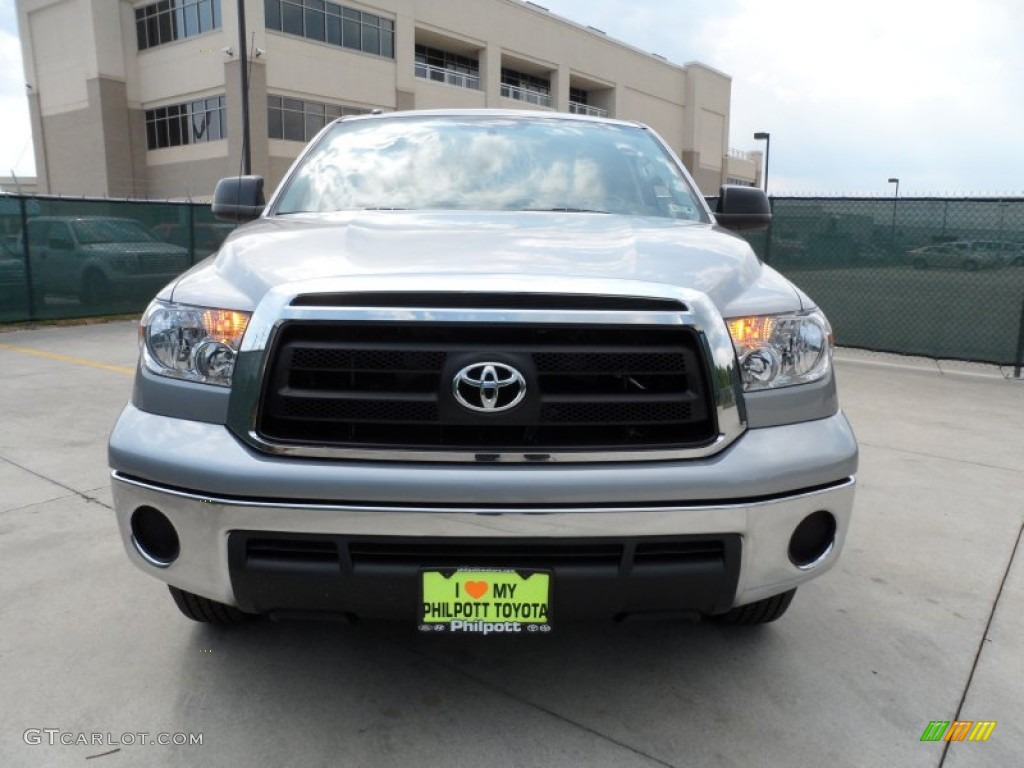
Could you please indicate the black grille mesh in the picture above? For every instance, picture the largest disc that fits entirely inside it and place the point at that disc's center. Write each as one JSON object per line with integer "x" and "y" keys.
{"x": 357, "y": 410}
{"x": 548, "y": 553}
{"x": 389, "y": 385}
{"x": 626, "y": 413}
{"x": 576, "y": 362}
{"x": 327, "y": 358}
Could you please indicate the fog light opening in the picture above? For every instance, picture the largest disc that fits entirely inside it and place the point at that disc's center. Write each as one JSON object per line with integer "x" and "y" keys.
{"x": 154, "y": 538}
{"x": 813, "y": 540}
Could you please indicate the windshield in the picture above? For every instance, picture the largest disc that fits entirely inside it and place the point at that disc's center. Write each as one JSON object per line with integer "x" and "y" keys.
{"x": 90, "y": 232}
{"x": 491, "y": 164}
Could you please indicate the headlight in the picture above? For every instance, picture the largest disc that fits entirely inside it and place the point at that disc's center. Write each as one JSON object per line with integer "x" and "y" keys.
{"x": 781, "y": 350}
{"x": 192, "y": 343}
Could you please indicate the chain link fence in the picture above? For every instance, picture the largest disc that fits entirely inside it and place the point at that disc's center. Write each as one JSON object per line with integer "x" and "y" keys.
{"x": 66, "y": 258}
{"x": 936, "y": 277}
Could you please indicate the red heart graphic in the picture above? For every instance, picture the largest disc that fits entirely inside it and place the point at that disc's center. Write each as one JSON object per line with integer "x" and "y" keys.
{"x": 476, "y": 589}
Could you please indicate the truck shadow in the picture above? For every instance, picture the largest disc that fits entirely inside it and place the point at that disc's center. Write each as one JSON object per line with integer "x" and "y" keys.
{"x": 379, "y": 689}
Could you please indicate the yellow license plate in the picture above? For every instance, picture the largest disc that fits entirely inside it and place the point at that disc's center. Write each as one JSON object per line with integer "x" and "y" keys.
{"x": 483, "y": 601}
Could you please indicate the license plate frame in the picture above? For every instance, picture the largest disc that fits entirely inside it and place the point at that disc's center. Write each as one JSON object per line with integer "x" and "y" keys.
{"x": 484, "y": 601}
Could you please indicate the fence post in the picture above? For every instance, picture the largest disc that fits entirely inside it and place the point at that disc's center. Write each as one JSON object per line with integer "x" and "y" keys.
{"x": 767, "y": 258}
{"x": 1020, "y": 344}
{"x": 191, "y": 234}
{"x": 26, "y": 254}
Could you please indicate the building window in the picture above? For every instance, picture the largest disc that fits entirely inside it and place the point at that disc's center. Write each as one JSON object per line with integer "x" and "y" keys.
{"x": 334, "y": 24}
{"x": 193, "y": 122}
{"x": 579, "y": 104}
{"x": 298, "y": 120}
{"x": 169, "y": 20}
{"x": 523, "y": 87}
{"x": 443, "y": 67}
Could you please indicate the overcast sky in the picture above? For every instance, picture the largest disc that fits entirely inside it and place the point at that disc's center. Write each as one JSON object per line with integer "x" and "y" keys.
{"x": 852, "y": 93}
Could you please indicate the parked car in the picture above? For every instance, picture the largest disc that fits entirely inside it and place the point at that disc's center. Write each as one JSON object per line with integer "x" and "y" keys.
{"x": 789, "y": 251}
{"x": 208, "y": 236}
{"x": 98, "y": 259}
{"x": 13, "y": 287}
{"x": 1012, "y": 254}
{"x": 955, "y": 255}
{"x": 484, "y": 372}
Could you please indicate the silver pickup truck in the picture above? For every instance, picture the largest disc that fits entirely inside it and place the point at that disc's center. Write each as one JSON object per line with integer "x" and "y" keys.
{"x": 484, "y": 372}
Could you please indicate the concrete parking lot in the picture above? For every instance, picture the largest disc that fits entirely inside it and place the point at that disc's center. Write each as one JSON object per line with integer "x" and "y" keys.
{"x": 922, "y": 620}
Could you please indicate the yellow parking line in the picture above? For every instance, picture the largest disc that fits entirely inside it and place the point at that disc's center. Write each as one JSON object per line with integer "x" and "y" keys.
{"x": 68, "y": 359}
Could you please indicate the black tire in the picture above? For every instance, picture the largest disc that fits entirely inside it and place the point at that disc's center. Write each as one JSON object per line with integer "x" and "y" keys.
{"x": 971, "y": 265}
{"x": 95, "y": 289}
{"x": 761, "y": 612}
{"x": 205, "y": 610}
{"x": 920, "y": 264}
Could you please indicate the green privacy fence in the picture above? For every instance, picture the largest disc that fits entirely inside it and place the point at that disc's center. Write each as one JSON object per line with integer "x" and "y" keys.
{"x": 938, "y": 277}
{"x": 65, "y": 258}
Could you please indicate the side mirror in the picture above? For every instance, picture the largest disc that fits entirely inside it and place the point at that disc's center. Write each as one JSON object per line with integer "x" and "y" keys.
{"x": 743, "y": 208}
{"x": 239, "y": 198}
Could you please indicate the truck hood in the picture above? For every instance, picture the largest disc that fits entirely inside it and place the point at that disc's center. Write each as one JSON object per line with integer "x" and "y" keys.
{"x": 275, "y": 251}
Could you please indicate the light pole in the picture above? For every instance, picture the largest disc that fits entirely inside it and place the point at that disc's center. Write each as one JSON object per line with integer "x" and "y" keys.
{"x": 243, "y": 59}
{"x": 895, "y": 197}
{"x": 767, "y": 139}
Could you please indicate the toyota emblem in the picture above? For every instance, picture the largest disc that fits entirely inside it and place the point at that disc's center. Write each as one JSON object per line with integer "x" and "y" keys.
{"x": 489, "y": 387}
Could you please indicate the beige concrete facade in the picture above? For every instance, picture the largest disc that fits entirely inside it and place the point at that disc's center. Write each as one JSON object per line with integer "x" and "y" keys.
{"x": 90, "y": 86}
{"x": 745, "y": 167}
{"x": 17, "y": 185}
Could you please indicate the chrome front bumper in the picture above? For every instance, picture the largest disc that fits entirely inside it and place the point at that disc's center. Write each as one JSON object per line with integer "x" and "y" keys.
{"x": 259, "y": 493}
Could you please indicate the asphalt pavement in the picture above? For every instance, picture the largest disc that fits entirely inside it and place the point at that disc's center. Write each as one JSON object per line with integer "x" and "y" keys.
{"x": 922, "y": 620}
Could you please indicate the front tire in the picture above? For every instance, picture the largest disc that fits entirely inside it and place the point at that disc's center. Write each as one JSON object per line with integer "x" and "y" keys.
{"x": 205, "y": 610}
{"x": 761, "y": 612}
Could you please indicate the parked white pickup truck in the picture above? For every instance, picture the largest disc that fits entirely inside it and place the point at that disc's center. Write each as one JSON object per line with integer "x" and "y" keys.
{"x": 98, "y": 259}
